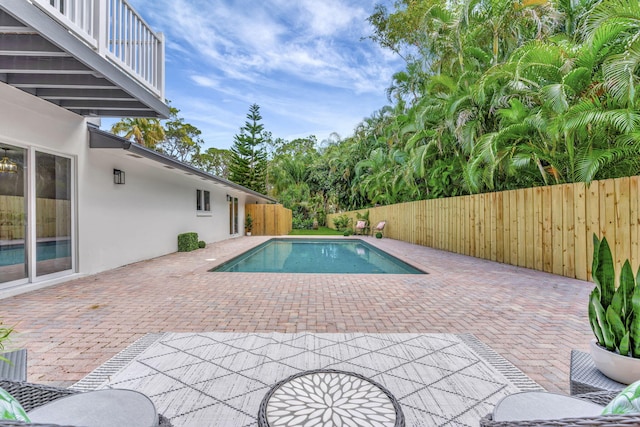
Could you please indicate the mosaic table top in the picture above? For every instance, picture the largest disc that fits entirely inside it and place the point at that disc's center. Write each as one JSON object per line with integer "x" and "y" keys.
{"x": 329, "y": 398}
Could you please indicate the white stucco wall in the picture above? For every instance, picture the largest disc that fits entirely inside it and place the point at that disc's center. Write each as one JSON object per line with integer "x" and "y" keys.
{"x": 116, "y": 224}
{"x": 27, "y": 120}
{"x": 142, "y": 218}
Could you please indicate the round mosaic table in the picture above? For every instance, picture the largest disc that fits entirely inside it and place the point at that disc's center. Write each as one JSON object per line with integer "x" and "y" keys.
{"x": 327, "y": 397}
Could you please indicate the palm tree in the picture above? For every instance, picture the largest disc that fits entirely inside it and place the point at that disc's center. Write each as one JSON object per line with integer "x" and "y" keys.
{"x": 507, "y": 94}
{"x": 407, "y": 84}
{"x": 509, "y": 23}
{"x": 612, "y": 27}
{"x": 147, "y": 132}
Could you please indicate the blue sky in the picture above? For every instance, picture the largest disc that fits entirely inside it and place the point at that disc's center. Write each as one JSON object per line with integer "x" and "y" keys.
{"x": 302, "y": 61}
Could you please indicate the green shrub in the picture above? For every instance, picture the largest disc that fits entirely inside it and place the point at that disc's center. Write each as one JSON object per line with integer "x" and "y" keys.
{"x": 321, "y": 215}
{"x": 301, "y": 223}
{"x": 379, "y": 235}
{"x": 348, "y": 232}
{"x": 202, "y": 244}
{"x": 187, "y": 242}
{"x": 341, "y": 222}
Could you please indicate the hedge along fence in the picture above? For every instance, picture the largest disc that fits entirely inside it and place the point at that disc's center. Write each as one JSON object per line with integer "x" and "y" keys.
{"x": 269, "y": 220}
{"x": 544, "y": 228}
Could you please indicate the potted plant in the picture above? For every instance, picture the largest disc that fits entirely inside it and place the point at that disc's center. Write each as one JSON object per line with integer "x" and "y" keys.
{"x": 614, "y": 315}
{"x": 248, "y": 224}
{"x": 379, "y": 235}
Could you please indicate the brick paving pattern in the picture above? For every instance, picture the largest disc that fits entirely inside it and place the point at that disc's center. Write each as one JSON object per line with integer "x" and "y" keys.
{"x": 531, "y": 318}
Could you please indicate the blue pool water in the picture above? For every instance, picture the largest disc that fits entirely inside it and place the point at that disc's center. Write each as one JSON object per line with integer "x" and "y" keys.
{"x": 14, "y": 254}
{"x": 317, "y": 256}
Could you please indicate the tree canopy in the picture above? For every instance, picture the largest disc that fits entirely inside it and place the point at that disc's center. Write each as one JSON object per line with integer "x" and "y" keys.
{"x": 248, "y": 162}
{"x": 182, "y": 140}
{"x": 494, "y": 95}
{"x": 143, "y": 131}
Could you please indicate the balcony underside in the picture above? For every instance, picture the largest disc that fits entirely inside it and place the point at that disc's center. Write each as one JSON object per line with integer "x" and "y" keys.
{"x": 40, "y": 57}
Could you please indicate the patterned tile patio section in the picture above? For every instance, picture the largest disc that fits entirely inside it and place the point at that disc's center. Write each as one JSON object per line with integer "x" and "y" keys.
{"x": 220, "y": 378}
{"x": 531, "y": 318}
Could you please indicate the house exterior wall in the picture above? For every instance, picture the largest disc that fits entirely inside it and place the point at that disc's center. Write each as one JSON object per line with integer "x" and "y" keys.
{"x": 116, "y": 224}
{"x": 142, "y": 218}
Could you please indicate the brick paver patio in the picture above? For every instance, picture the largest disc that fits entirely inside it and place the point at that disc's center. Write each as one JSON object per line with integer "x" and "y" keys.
{"x": 531, "y": 318}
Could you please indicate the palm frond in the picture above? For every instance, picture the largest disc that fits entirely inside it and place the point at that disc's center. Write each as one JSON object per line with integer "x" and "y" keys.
{"x": 621, "y": 77}
{"x": 588, "y": 114}
{"x": 555, "y": 95}
{"x": 591, "y": 163}
{"x": 577, "y": 79}
{"x": 605, "y": 11}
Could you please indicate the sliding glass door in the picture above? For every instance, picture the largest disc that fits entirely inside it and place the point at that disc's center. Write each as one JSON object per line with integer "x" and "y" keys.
{"x": 13, "y": 219}
{"x": 53, "y": 213}
{"x": 36, "y": 214}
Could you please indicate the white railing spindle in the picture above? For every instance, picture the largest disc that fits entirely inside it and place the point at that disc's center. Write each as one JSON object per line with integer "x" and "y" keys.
{"x": 115, "y": 31}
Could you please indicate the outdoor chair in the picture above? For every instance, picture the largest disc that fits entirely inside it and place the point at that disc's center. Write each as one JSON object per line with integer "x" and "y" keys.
{"x": 361, "y": 227}
{"x": 32, "y": 396}
{"x": 379, "y": 227}
{"x": 15, "y": 367}
{"x": 599, "y": 398}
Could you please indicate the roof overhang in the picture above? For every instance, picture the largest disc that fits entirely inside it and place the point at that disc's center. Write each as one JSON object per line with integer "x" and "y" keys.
{"x": 101, "y": 139}
{"x": 40, "y": 56}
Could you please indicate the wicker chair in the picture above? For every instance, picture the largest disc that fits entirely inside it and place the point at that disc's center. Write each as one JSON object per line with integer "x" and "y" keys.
{"x": 361, "y": 227}
{"x": 32, "y": 396}
{"x": 601, "y": 398}
{"x": 379, "y": 228}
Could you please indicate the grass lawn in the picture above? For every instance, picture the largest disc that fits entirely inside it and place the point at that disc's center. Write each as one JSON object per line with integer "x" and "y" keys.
{"x": 321, "y": 231}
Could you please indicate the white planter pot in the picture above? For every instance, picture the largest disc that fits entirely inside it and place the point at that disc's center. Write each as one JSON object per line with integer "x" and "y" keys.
{"x": 248, "y": 233}
{"x": 619, "y": 368}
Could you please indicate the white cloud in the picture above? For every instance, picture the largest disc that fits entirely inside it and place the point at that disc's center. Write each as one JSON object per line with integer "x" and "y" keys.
{"x": 205, "y": 81}
{"x": 302, "y": 61}
{"x": 329, "y": 17}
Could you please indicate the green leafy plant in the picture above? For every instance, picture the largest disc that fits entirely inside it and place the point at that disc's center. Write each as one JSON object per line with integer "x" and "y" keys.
{"x": 363, "y": 216}
{"x": 298, "y": 223}
{"x": 348, "y": 232}
{"x": 202, "y": 244}
{"x": 379, "y": 235}
{"x": 5, "y": 332}
{"x": 614, "y": 312}
{"x": 342, "y": 222}
{"x": 187, "y": 242}
{"x": 248, "y": 223}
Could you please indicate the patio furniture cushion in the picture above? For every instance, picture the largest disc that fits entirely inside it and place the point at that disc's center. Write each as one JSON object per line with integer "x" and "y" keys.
{"x": 361, "y": 226}
{"x": 627, "y": 402}
{"x": 538, "y": 405}
{"x": 10, "y": 408}
{"x": 102, "y": 408}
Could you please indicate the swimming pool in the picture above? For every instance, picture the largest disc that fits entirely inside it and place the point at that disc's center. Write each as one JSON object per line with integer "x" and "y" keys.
{"x": 348, "y": 256}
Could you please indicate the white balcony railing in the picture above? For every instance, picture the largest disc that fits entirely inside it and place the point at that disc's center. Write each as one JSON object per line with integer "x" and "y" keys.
{"x": 114, "y": 30}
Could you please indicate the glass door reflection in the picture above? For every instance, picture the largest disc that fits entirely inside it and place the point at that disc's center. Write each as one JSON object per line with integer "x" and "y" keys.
{"x": 53, "y": 213}
{"x": 13, "y": 218}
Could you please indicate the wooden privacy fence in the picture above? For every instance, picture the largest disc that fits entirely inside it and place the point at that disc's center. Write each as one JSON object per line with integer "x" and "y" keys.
{"x": 544, "y": 228}
{"x": 269, "y": 220}
{"x": 53, "y": 217}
